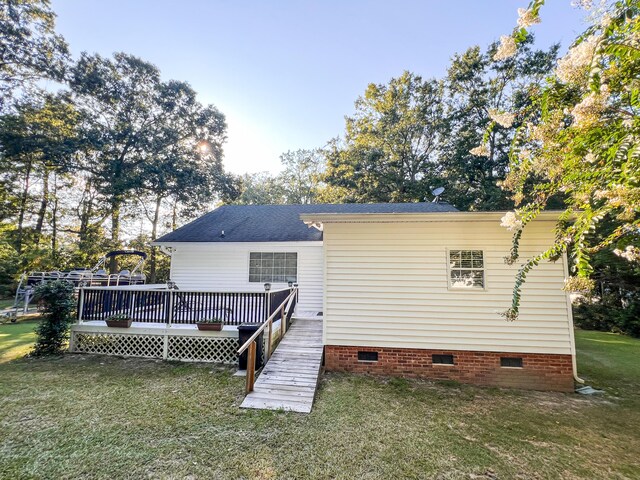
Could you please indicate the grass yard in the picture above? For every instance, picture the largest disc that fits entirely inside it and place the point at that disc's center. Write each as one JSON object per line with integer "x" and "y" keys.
{"x": 105, "y": 417}
{"x": 16, "y": 339}
{"x": 6, "y": 303}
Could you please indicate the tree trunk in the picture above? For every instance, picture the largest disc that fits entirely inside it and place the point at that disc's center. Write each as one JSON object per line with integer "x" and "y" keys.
{"x": 86, "y": 211}
{"x": 174, "y": 216}
{"x": 154, "y": 250}
{"x": 44, "y": 203}
{"x": 115, "y": 232}
{"x": 54, "y": 220}
{"x": 23, "y": 207}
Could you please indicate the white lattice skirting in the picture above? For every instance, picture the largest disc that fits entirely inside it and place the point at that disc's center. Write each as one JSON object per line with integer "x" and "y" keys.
{"x": 187, "y": 346}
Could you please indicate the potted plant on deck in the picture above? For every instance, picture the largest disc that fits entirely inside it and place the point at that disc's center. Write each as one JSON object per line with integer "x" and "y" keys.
{"x": 214, "y": 324}
{"x": 120, "y": 320}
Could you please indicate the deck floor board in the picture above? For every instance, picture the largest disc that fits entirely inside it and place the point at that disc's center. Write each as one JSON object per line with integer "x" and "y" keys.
{"x": 289, "y": 379}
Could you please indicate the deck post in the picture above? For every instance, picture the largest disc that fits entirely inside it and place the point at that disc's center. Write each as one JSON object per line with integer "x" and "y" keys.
{"x": 72, "y": 341}
{"x": 267, "y": 301}
{"x": 169, "y": 315}
{"x": 132, "y": 304}
{"x": 81, "y": 305}
{"x": 251, "y": 367}
{"x": 283, "y": 322}
{"x": 165, "y": 346}
{"x": 268, "y": 352}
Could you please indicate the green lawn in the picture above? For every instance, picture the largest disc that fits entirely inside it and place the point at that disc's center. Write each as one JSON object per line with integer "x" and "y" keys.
{"x": 6, "y": 303}
{"x": 16, "y": 339}
{"x": 105, "y": 417}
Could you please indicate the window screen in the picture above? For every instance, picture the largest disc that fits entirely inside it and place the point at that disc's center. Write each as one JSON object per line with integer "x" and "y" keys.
{"x": 273, "y": 267}
{"x": 466, "y": 268}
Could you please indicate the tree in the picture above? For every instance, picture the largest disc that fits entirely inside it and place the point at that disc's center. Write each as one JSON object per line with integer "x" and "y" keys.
{"x": 184, "y": 156}
{"x": 411, "y": 135}
{"x": 29, "y": 47}
{"x": 613, "y": 304}
{"x": 581, "y": 139}
{"x": 302, "y": 176}
{"x": 391, "y": 145}
{"x": 146, "y": 138}
{"x": 37, "y": 141}
{"x": 299, "y": 183}
{"x": 53, "y": 331}
{"x": 483, "y": 89}
{"x": 116, "y": 100}
{"x": 260, "y": 189}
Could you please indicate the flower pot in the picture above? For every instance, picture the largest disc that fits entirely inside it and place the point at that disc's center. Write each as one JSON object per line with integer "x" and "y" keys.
{"x": 216, "y": 327}
{"x": 119, "y": 323}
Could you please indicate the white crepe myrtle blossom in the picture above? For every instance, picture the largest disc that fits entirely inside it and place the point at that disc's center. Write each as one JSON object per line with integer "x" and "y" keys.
{"x": 526, "y": 18}
{"x": 506, "y": 49}
{"x": 631, "y": 253}
{"x": 524, "y": 154}
{"x": 573, "y": 65}
{"x": 504, "y": 119}
{"x": 579, "y": 285}
{"x": 590, "y": 158}
{"x": 511, "y": 221}
{"x": 480, "y": 151}
{"x": 600, "y": 194}
{"x": 584, "y": 4}
{"x": 588, "y": 111}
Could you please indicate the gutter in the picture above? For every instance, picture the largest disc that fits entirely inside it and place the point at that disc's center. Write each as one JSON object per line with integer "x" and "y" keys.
{"x": 392, "y": 217}
{"x": 574, "y": 363}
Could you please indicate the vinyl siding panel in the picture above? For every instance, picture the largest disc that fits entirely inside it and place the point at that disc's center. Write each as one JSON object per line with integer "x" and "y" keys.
{"x": 387, "y": 286}
{"x": 225, "y": 267}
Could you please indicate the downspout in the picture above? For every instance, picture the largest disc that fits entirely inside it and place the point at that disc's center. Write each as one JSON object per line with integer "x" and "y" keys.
{"x": 574, "y": 363}
{"x": 166, "y": 250}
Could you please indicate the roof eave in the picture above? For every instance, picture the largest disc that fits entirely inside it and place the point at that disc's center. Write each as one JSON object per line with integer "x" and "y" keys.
{"x": 320, "y": 218}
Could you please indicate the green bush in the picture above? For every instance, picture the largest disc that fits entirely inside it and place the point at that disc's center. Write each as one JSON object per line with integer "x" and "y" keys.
{"x": 609, "y": 314}
{"x": 8, "y": 268}
{"x": 211, "y": 320}
{"x": 53, "y": 331}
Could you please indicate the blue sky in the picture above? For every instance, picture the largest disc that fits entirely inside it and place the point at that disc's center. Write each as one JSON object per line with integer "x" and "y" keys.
{"x": 285, "y": 73}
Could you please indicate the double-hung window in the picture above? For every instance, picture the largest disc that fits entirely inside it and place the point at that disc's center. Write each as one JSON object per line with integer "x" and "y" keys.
{"x": 466, "y": 269}
{"x": 273, "y": 267}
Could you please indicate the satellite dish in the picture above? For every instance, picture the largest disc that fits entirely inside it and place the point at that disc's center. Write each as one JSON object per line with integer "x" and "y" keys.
{"x": 436, "y": 193}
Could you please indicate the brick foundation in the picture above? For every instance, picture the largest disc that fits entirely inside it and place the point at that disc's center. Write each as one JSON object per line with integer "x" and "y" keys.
{"x": 539, "y": 371}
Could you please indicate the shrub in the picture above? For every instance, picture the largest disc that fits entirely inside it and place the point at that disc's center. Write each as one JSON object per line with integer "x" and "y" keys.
{"x": 211, "y": 320}
{"x": 608, "y": 314}
{"x": 53, "y": 331}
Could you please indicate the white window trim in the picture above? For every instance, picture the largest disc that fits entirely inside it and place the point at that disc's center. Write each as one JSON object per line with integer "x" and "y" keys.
{"x": 484, "y": 271}
{"x": 248, "y": 258}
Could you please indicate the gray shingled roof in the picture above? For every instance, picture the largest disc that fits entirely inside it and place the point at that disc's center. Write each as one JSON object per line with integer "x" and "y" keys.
{"x": 279, "y": 223}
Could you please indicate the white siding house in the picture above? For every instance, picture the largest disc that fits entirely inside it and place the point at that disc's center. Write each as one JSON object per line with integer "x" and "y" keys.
{"x": 225, "y": 267}
{"x": 405, "y": 289}
{"x": 388, "y": 284}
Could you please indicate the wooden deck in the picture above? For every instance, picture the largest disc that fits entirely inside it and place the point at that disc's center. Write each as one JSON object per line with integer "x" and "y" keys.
{"x": 289, "y": 379}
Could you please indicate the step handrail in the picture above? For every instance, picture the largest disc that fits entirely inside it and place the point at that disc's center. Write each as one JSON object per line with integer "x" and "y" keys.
{"x": 251, "y": 341}
{"x": 265, "y": 324}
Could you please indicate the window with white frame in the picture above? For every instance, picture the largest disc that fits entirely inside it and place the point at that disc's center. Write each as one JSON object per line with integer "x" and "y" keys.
{"x": 273, "y": 267}
{"x": 466, "y": 269}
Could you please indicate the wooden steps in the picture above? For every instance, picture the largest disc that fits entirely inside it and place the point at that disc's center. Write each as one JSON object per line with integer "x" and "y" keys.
{"x": 289, "y": 379}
